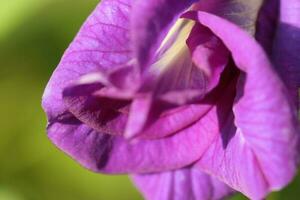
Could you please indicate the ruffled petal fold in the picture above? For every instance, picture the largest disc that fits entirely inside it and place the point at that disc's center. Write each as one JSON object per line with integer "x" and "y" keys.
{"x": 183, "y": 184}
{"x": 266, "y": 25}
{"x": 109, "y": 102}
{"x": 287, "y": 46}
{"x": 174, "y": 89}
{"x": 151, "y": 21}
{"x": 117, "y": 112}
{"x": 102, "y": 43}
{"x": 256, "y": 151}
{"x": 106, "y": 114}
{"x": 113, "y": 154}
{"x": 209, "y": 55}
{"x": 96, "y": 97}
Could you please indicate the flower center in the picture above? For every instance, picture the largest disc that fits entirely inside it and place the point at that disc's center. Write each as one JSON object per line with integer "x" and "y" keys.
{"x": 173, "y": 49}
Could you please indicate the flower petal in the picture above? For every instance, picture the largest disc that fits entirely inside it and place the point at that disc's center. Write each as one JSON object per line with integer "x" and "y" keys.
{"x": 171, "y": 120}
{"x": 267, "y": 24}
{"x": 208, "y": 53}
{"x": 138, "y": 117}
{"x": 287, "y": 45}
{"x": 210, "y": 56}
{"x": 263, "y": 132}
{"x": 242, "y": 13}
{"x": 113, "y": 154}
{"x": 151, "y": 21}
{"x": 182, "y": 184}
{"x": 180, "y": 83}
{"x": 102, "y": 113}
{"x": 185, "y": 73}
{"x": 106, "y": 109}
{"x": 108, "y": 112}
{"x": 102, "y": 43}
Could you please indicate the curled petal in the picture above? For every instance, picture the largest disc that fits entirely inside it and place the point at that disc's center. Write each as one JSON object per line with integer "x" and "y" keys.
{"x": 277, "y": 32}
{"x": 103, "y": 113}
{"x": 189, "y": 69}
{"x": 287, "y": 45}
{"x": 117, "y": 110}
{"x": 102, "y": 43}
{"x": 114, "y": 154}
{"x": 168, "y": 121}
{"x": 267, "y": 24}
{"x": 139, "y": 115}
{"x": 262, "y": 132}
{"x": 112, "y": 111}
{"x": 182, "y": 184}
{"x": 208, "y": 54}
{"x": 151, "y": 21}
{"x": 187, "y": 79}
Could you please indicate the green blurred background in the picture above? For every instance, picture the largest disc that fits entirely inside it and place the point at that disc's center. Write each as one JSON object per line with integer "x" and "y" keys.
{"x": 33, "y": 36}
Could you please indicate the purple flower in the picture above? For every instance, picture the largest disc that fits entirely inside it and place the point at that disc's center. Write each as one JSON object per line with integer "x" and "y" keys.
{"x": 196, "y": 99}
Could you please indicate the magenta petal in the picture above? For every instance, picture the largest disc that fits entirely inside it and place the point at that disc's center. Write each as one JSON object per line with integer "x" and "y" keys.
{"x": 195, "y": 67}
{"x": 208, "y": 54}
{"x": 262, "y": 135}
{"x": 176, "y": 119}
{"x": 151, "y": 20}
{"x": 182, "y": 82}
{"x": 112, "y": 154}
{"x": 140, "y": 109}
{"x": 112, "y": 111}
{"x": 287, "y": 45}
{"x": 279, "y": 31}
{"x": 102, "y": 43}
{"x": 101, "y": 113}
{"x": 117, "y": 112}
{"x": 182, "y": 184}
{"x": 267, "y": 24}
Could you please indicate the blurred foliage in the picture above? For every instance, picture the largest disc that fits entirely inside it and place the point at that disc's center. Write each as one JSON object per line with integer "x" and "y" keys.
{"x": 33, "y": 36}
